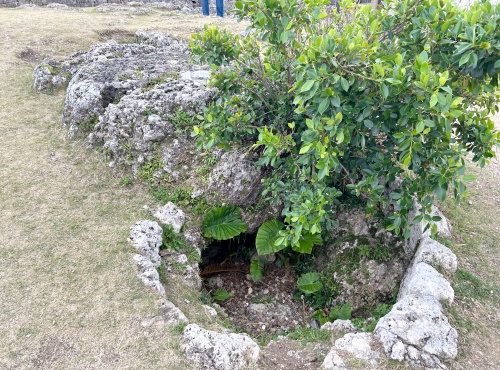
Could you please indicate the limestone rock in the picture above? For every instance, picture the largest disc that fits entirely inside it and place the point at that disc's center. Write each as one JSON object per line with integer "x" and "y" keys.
{"x": 340, "y": 326}
{"x": 140, "y": 127}
{"x": 424, "y": 281}
{"x": 109, "y": 71}
{"x": 171, "y": 215}
{"x": 365, "y": 261}
{"x": 45, "y": 75}
{"x": 171, "y": 314}
{"x": 360, "y": 345}
{"x": 417, "y": 330}
{"x": 333, "y": 361}
{"x": 436, "y": 255}
{"x": 146, "y": 236}
{"x": 148, "y": 274}
{"x": 235, "y": 179}
{"x": 207, "y": 349}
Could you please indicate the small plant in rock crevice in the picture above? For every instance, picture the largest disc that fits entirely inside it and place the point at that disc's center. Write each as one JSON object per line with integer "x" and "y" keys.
{"x": 147, "y": 170}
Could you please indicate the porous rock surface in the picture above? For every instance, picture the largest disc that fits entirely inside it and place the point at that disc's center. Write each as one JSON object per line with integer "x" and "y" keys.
{"x": 171, "y": 215}
{"x": 133, "y": 100}
{"x": 416, "y": 329}
{"x": 146, "y": 237}
{"x": 148, "y": 274}
{"x": 365, "y": 279}
{"x": 236, "y": 179}
{"x": 207, "y": 349}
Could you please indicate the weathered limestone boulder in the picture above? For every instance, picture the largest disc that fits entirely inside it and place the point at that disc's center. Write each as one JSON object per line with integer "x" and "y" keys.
{"x": 171, "y": 215}
{"x": 141, "y": 126}
{"x": 148, "y": 274}
{"x": 207, "y": 349}
{"x": 109, "y": 71}
{"x": 436, "y": 255}
{"x": 339, "y": 326}
{"x": 360, "y": 346}
{"x": 366, "y": 263}
{"x": 171, "y": 314}
{"x": 146, "y": 237}
{"x": 47, "y": 75}
{"x": 236, "y": 179}
{"x": 416, "y": 329}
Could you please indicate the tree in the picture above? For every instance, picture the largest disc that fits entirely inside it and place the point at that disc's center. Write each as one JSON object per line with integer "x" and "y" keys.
{"x": 351, "y": 99}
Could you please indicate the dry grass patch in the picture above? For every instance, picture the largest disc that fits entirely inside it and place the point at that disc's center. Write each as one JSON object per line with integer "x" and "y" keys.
{"x": 476, "y": 242}
{"x": 69, "y": 296}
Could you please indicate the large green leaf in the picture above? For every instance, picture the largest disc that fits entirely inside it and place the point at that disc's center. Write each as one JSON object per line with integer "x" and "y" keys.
{"x": 342, "y": 312}
{"x": 256, "y": 270}
{"x": 221, "y": 295}
{"x": 306, "y": 242}
{"x": 309, "y": 283}
{"x": 223, "y": 223}
{"x": 266, "y": 237}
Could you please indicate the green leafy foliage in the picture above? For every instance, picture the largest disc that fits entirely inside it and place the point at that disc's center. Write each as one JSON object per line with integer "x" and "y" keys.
{"x": 351, "y": 99}
{"x": 341, "y": 312}
{"x": 171, "y": 240}
{"x": 256, "y": 270}
{"x": 309, "y": 283}
{"x": 221, "y": 295}
{"x": 223, "y": 223}
{"x": 268, "y": 233}
{"x": 310, "y": 335}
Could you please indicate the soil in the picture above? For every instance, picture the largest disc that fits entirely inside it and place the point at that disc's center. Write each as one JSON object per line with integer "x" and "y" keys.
{"x": 263, "y": 309}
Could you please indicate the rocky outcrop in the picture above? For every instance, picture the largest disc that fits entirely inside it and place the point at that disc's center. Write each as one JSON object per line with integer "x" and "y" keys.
{"x": 146, "y": 237}
{"x": 138, "y": 102}
{"x": 207, "y": 349}
{"x": 416, "y": 329}
{"x": 365, "y": 262}
{"x": 171, "y": 215}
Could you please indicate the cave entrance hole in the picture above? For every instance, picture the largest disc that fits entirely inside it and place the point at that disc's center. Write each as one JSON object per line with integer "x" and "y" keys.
{"x": 264, "y": 308}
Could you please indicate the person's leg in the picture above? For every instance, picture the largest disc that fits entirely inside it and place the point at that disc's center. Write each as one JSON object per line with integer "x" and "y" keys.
{"x": 205, "y": 7}
{"x": 219, "y": 5}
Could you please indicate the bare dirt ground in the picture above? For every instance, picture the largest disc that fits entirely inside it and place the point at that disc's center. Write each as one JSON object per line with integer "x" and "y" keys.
{"x": 69, "y": 296}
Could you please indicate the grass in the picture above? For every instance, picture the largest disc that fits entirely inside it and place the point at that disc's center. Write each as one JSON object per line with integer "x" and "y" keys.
{"x": 69, "y": 295}
{"x": 476, "y": 242}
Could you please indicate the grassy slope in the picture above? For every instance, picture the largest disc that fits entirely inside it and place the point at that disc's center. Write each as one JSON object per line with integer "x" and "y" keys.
{"x": 476, "y": 242}
{"x": 69, "y": 297}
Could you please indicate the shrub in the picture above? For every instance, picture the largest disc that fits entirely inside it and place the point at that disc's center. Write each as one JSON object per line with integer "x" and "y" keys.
{"x": 351, "y": 99}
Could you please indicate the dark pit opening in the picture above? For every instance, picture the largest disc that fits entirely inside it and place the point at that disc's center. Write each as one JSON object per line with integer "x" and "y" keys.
{"x": 263, "y": 309}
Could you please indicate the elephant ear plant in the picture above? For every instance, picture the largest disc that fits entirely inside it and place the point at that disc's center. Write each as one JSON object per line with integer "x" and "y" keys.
{"x": 349, "y": 99}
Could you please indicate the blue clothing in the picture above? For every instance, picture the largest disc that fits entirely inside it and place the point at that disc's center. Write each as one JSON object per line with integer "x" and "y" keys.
{"x": 219, "y": 6}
